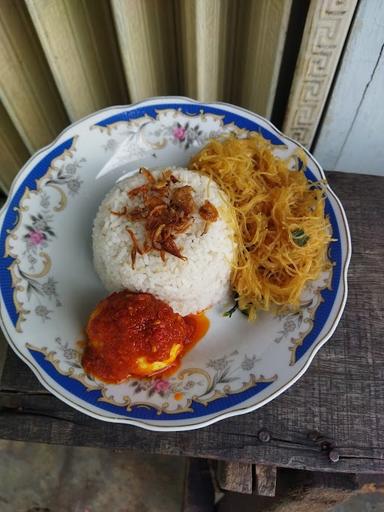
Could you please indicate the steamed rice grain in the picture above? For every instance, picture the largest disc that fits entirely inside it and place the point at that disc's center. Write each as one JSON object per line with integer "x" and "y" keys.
{"x": 188, "y": 286}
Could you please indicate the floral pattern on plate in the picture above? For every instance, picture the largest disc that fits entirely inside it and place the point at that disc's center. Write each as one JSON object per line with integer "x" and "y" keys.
{"x": 177, "y": 393}
{"x": 36, "y": 288}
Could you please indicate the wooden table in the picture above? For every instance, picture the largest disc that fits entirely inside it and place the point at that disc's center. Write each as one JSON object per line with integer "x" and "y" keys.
{"x": 341, "y": 395}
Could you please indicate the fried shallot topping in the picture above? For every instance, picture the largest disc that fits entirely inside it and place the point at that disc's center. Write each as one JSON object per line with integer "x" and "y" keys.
{"x": 182, "y": 199}
{"x": 166, "y": 212}
{"x": 209, "y": 213}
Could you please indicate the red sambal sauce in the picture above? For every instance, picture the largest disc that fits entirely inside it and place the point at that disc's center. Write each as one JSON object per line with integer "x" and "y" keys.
{"x": 135, "y": 334}
{"x": 198, "y": 325}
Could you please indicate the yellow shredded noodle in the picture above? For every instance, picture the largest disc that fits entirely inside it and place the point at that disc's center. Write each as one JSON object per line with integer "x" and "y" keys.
{"x": 281, "y": 232}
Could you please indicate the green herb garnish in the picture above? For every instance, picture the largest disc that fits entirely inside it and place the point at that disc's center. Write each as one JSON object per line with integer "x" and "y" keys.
{"x": 299, "y": 237}
{"x": 230, "y": 312}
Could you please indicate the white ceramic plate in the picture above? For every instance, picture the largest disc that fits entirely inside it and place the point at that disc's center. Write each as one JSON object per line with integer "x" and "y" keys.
{"x": 48, "y": 284}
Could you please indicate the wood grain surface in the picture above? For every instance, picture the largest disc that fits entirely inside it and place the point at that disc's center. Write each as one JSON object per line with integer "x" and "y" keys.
{"x": 235, "y": 476}
{"x": 265, "y": 480}
{"x": 341, "y": 395}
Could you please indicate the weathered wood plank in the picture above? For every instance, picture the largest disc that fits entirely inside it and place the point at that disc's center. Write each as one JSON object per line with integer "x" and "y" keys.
{"x": 341, "y": 395}
{"x": 265, "y": 480}
{"x": 39, "y": 417}
{"x": 235, "y": 476}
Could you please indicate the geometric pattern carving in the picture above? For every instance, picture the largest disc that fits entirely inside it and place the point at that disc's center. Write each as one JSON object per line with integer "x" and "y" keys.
{"x": 325, "y": 32}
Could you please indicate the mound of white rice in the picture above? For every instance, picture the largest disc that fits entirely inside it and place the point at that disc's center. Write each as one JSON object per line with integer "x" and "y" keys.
{"x": 188, "y": 286}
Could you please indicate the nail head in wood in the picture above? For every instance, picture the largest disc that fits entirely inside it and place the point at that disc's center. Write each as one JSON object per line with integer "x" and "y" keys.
{"x": 264, "y": 435}
{"x": 334, "y": 456}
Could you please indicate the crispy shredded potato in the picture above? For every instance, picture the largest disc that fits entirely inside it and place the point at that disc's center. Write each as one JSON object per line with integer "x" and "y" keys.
{"x": 281, "y": 232}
